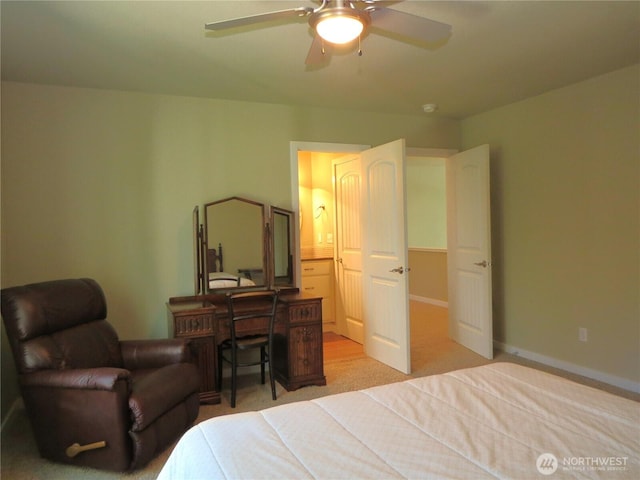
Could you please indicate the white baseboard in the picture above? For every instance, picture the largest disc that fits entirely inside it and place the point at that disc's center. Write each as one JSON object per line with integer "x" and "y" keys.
{"x": 432, "y": 301}
{"x": 571, "y": 367}
{"x": 16, "y": 405}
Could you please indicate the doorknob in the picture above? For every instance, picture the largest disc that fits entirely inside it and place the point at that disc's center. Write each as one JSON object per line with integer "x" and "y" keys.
{"x": 399, "y": 270}
{"x": 339, "y": 260}
{"x": 482, "y": 264}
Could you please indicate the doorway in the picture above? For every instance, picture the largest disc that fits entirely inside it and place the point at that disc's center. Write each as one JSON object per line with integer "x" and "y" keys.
{"x": 469, "y": 221}
{"x": 321, "y": 235}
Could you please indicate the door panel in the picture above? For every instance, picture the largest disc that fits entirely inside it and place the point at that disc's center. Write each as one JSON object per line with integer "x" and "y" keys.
{"x": 352, "y": 301}
{"x": 384, "y": 258}
{"x": 469, "y": 250}
{"x": 348, "y": 247}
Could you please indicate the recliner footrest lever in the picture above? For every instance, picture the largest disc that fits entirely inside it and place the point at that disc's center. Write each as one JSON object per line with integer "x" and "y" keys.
{"x": 76, "y": 448}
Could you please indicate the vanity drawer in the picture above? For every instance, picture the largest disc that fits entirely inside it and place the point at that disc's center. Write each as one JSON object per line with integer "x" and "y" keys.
{"x": 317, "y": 267}
{"x": 318, "y": 285}
{"x": 193, "y": 325}
{"x": 305, "y": 312}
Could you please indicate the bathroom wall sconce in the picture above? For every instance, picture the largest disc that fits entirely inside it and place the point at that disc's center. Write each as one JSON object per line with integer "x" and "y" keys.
{"x": 319, "y": 211}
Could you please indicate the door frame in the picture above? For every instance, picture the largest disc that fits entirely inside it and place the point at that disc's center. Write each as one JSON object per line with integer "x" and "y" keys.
{"x": 320, "y": 147}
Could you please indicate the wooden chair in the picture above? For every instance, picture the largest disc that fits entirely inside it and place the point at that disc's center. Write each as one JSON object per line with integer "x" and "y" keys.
{"x": 245, "y": 311}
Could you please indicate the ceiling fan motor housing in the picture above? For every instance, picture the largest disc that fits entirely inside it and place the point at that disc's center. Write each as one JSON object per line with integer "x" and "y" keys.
{"x": 361, "y": 15}
{"x": 337, "y": 12}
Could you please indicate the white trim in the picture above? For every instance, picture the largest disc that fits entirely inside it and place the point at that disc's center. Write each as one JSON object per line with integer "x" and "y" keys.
{"x": 429, "y": 152}
{"x": 432, "y": 301}
{"x": 428, "y": 250}
{"x": 570, "y": 367}
{"x": 18, "y": 404}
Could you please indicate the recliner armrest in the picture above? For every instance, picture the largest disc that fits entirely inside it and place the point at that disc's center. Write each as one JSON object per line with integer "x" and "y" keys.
{"x": 144, "y": 354}
{"x": 160, "y": 391}
{"x": 104, "y": 378}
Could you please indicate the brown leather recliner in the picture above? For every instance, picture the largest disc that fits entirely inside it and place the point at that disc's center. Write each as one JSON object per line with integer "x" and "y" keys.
{"x": 94, "y": 400}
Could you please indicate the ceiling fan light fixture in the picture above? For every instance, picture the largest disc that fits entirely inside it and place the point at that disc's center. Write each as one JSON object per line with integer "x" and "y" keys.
{"x": 339, "y": 29}
{"x": 340, "y": 25}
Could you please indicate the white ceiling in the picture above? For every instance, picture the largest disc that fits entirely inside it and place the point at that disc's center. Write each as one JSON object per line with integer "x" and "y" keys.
{"x": 499, "y": 52}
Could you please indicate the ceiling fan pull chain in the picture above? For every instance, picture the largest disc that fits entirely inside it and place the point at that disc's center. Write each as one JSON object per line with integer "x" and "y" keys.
{"x": 359, "y": 46}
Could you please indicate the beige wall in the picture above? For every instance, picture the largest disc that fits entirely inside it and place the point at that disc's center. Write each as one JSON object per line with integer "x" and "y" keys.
{"x": 427, "y": 229}
{"x": 428, "y": 275}
{"x": 316, "y": 203}
{"x": 102, "y": 184}
{"x": 565, "y": 213}
{"x": 426, "y": 202}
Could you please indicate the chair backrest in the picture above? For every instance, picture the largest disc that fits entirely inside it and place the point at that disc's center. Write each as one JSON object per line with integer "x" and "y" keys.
{"x": 59, "y": 324}
{"x": 251, "y": 308}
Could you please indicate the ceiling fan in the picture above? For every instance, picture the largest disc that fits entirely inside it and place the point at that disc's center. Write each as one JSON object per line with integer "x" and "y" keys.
{"x": 338, "y": 22}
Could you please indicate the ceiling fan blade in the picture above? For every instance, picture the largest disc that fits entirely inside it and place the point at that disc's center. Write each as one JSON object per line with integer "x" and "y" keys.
{"x": 378, "y": 3}
{"x": 262, "y": 17}
{"x": 319, "y": 52}
{"x": 407, "y": 25}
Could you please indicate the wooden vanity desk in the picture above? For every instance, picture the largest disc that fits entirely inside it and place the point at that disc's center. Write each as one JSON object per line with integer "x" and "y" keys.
{"x": 297, "y": 356}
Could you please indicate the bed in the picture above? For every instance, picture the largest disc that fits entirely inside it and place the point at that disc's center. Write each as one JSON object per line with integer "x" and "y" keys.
{"x": 225, "y": 280}
{"x": 496, "y": 421}
{"x": 218, "y": 278}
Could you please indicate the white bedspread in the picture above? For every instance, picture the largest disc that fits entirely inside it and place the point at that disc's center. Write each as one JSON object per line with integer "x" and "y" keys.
{"x": 493, "y": 421}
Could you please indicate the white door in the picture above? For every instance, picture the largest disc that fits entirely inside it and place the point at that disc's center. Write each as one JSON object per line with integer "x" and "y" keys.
{"x": 469, "y": 250}
{"x": 384, "y": 256}
{"x": 348, "y": 247}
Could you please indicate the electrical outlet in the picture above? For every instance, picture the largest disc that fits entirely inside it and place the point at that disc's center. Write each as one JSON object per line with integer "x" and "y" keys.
{"x": 582, "y": 334}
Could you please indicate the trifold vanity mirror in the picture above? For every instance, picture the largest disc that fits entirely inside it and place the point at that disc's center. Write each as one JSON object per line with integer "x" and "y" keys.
{"x": 243, "y": 244}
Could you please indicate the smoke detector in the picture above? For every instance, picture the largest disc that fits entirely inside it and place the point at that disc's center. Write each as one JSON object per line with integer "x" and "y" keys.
{"x": 429, "y": 107}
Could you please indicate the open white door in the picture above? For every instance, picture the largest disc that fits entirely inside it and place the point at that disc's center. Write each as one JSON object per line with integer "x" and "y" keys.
{"x": 384, "y": 256}
{"x": 348, "y": 246}
{"x": 469, "y": 250}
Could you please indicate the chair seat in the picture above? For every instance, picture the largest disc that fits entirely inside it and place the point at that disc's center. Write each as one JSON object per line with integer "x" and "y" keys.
{"x": 244, "y": 344}
{"x": 252, "y": 342}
